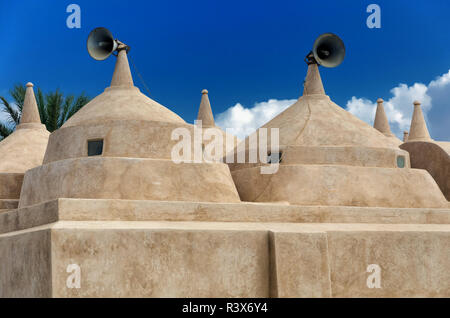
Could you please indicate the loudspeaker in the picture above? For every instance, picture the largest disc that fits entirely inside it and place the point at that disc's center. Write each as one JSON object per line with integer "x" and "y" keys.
{"x": 328, "y": 50}
{"x": 101, "y": 44}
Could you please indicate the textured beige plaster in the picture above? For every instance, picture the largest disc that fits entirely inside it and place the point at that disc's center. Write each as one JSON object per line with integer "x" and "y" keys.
{"x": 122, "y": 103}
{"x": 205, "y": 112}
{"x": 226, "y": 259}
{"x": 10, "y": 185}
{"x": 23, "y": 149}
{"x": 413, "y": 264}
{"x": 418, "y": 130}
{"x": 333, "y": 155}
{"x": 161, "y": 263}
{"x": 434, "y": 158}
{"x": 122, "y": 138}
{"x": 326, "y": 153}
{"x": 341, "y": 185}
{"x": 25, "y": 268}
{"x": 138, "y": 210}
{"x": 301, "y": 266}
{"x": 8, "y": 204}
{"x": 128, "y": 178}
{"x": 381, "y": 122}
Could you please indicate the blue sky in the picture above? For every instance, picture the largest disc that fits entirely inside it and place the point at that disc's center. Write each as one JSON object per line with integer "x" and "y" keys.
{"x": 244, "y": 52}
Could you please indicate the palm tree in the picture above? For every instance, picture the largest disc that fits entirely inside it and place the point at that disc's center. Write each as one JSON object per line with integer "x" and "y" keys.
{"x": 54, "y": 108}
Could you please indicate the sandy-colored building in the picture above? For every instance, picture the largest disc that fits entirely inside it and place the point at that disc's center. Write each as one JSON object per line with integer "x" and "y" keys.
{"x": 425, "y": 153}
{"x": 22, "y": 150}
{"x": 109, "y": 214}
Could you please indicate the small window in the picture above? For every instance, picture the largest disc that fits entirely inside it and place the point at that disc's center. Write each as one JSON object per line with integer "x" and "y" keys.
{"x": 95, "y": 147}
{"x": 401, "y": 161}
{"x": 274, "y": 157}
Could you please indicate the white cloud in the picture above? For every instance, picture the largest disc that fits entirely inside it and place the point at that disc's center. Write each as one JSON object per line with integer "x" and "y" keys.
{"x": 399, "y": 107}
{"x": 435, "y": 99}
{"x": 243, "y": 121}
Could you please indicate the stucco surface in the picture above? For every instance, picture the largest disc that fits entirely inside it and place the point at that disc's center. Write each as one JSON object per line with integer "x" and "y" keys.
{"x": 413, "y": 264}
{"x": 123, "y": 138}
{"x": 122, "y": 104}
{"x": 433, "y": 158}
{"x": 139, "y": 210}
{"x": 25, "y": 269}
{"x": 10, "y": 185}
{"x": 8, "y": 204}
{"x": 300, "y": 265}
{"x": 330, "y": 157}
{"x": 128, "y": 178}
{"x": 340, "y": 185}
{"x": 23, "y": 149}
{"x": 165, "y": 263}
{"x": 333, "y": 155}
{"x": 214, "y": 259}
{"x": 122, "y": 101}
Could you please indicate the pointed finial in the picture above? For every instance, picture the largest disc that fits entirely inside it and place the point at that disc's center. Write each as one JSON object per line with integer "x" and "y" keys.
{"x": 405, "y": 136}
{"x": 313, "y": 82}
{"x": 381, "y": 122}
{"x": 418, "y": 130}
{"x": 205, "y": 112}
{"x": 30, "y": 112}
{"x": 122, "y": 74}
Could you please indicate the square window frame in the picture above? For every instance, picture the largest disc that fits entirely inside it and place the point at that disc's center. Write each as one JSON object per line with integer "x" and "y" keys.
{"x": 95, "y": 139}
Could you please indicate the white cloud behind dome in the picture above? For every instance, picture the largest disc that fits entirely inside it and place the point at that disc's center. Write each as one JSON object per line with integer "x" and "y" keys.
{"x": 435, "y": 100}
{"x": 434, "y": 97}
{"x": 243, "y": 121}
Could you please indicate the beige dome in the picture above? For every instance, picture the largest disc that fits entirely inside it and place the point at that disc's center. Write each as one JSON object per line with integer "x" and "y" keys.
{"x": 330, "y": 157}
{"x": 131, "y": 138}
{"x": 24, "y": 149}
{"x": 122, "y": 101}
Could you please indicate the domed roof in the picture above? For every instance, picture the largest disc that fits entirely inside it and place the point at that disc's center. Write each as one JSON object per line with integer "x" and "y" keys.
{"x": 25, "y": 148}
{"x": 122, "y": 101}
{"x": 314, "y": 120}
{"x": 327, "y": 156}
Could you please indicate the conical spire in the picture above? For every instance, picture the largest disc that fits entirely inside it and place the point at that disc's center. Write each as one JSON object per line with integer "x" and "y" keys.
{"x": 381, "y": 122}
{"x": 122, "y": 74}
{"x": 205, "y": 113}
{"x": 313, "y": 82}
{"x": 30, "y": 112}
{"x": 418, "y": 130}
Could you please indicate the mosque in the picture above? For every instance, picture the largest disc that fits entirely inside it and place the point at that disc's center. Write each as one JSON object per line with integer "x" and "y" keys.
{"x": 99, "y": 209}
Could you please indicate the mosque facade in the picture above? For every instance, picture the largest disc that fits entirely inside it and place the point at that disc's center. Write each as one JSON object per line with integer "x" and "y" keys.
{"x": 98, "y": 208}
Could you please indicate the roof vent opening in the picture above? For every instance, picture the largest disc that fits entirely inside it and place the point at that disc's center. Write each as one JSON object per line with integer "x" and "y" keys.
{"x": 274, "y": 157}
{"x": 401, "y": 161}
{"x": 95, "y": 147}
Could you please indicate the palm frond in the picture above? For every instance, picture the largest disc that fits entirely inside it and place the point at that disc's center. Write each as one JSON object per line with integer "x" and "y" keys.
{"x": 18, "y": 94}
{"x": 65, "y": 110}
{"x": 13, "y": 115}
{"x": 79, "y": 103}
{"x": 53, "y": 109}
{"x": 5, "y": 131}
{"x": 40, "y": 99}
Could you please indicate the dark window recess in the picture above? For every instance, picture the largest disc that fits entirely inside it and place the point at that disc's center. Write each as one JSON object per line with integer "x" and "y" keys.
{"x": 95, "y": 147}
{"x": 401, "y": 161}
{"x": 274, "y": 157}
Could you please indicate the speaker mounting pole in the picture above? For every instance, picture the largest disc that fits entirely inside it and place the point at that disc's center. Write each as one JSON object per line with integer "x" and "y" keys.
{"x": 120, "y": 46}
{"x": 309, "y": 59}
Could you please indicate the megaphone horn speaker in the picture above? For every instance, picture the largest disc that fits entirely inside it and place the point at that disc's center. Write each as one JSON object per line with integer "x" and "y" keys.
{"x": 329, "y": 50}
{"x": 101, "y": 44}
